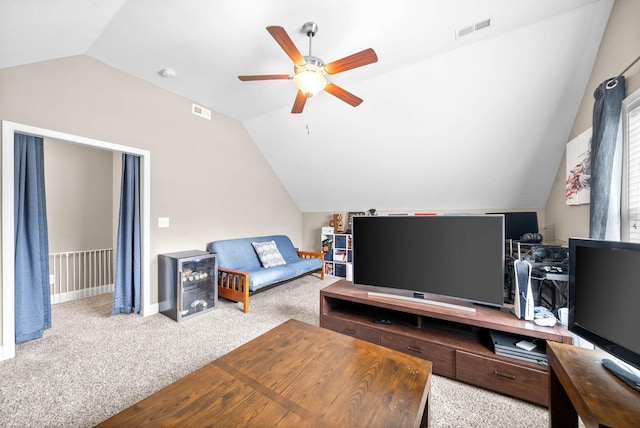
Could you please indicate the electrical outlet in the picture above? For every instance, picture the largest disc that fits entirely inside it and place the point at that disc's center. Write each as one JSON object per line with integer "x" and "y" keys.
{"x": 163, "y": 221}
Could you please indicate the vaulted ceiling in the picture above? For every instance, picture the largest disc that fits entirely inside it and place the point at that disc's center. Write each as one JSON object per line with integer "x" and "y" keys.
{"x": 448, "y": 122}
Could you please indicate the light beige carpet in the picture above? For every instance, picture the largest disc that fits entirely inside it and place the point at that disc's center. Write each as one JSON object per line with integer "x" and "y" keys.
{"x": 91, "y": 365}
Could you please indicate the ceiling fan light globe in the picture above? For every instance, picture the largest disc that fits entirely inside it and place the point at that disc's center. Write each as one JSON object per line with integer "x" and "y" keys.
{"x": 310, "y": 82}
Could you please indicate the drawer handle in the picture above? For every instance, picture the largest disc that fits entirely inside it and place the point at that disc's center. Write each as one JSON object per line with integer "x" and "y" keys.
{"x": 349, "y": 331}
{"x": 414, "y": 349}
{"x": 507, "y": 376}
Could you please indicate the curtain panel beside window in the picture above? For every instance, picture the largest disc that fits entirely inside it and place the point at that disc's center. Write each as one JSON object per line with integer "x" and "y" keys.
{"x": 606, "y": 160}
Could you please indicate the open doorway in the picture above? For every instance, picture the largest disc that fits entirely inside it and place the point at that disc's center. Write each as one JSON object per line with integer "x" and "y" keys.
{"x": 8, "y": 274}
{"x": 83, "y": 185}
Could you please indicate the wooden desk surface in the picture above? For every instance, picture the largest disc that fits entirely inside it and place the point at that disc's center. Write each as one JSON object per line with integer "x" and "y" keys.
{"x": 294, "y": 375}
{"x": 581, "y": 385}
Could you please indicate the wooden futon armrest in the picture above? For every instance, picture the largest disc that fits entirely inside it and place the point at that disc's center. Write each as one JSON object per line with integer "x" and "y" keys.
{"x": 233, "y": 284}
{"x": 313, "y": 255}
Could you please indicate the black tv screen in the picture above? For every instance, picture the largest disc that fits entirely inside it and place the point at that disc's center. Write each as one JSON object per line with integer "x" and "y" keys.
{"x": 604, "y": 295}
{"x": 456, "y": 256}
{"x": 517, "y": 224}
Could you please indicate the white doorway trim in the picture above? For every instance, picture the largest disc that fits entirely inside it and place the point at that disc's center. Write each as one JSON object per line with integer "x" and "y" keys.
{"x": 7, "y": 350}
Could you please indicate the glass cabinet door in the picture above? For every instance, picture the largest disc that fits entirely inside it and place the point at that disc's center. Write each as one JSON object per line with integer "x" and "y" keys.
{"x": 198, "y": 277}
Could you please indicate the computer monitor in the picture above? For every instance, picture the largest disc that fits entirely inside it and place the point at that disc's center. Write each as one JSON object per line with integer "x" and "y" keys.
{"x": 517, "y": 224}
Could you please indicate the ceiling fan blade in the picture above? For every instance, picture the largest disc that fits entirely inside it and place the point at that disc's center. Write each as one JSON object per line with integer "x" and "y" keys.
{"x": 298, "y": 104}
{"x": 285, "y": 42}
{"x": 264, "y": 77}
{"x": 359, "y": 59}
{"x": 344, "y": 95}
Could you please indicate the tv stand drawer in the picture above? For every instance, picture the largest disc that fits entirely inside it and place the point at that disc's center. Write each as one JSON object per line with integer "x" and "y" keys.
{"x": 442, "y": 357}
{"x": 515, "y": 380}
{"x": 352, "y": 329}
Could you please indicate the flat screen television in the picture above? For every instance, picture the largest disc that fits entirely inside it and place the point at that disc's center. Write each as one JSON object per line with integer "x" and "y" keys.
{"x": 459, "y": 256}
{"x": 604, "y": 296}
{"x": 517, "y": 224}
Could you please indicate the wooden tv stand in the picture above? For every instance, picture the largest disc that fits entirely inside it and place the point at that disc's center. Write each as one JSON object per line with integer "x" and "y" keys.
{"x": 455, "y": 341}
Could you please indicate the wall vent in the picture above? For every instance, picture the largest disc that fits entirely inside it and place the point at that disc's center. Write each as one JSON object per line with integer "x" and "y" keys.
{"x": 464, "y": 31}
{"x": 201, "y": 111}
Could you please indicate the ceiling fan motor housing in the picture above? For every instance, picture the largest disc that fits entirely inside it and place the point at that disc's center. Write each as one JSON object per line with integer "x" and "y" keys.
{"x": 316, "y": 64}
{"x": 310, "y": 28}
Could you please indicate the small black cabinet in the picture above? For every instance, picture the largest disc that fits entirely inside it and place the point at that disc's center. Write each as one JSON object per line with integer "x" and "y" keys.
{"x": 187, "y": 283}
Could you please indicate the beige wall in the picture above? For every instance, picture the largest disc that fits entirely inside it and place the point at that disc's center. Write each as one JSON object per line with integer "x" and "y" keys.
{"x": 620, "y": 46}
{"x": 79, "y": 190}
{"x": 208, "y": 177}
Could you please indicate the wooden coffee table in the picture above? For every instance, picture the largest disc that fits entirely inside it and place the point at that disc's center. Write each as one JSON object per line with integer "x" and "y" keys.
{"x": 294, "y": 375}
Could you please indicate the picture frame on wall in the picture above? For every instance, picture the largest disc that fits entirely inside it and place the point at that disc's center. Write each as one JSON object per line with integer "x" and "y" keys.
{"x": 578, "y": 180}
{"x": 350, "y": 216}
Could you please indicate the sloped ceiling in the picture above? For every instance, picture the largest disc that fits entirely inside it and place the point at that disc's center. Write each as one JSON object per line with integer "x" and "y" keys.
{"x": 476, "y": 122}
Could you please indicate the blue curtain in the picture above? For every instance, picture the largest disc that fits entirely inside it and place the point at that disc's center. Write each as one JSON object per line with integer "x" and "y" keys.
{"x": 606, "y": 160}
{"x": 126, "y": 296}
{"x": 32, "y": 294}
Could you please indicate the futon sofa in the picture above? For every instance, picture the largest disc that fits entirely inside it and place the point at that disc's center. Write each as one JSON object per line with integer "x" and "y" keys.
{"x": 247, "y": 265}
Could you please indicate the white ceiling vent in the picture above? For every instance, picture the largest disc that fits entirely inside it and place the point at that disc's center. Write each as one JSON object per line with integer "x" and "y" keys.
{"x": 201, "y": 111}
{"x": 460, "y": 32}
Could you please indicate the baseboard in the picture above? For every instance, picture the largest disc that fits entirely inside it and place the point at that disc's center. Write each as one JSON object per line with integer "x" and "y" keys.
{"x": 6, "y": 354}
{"x": 80, "y": 294}
{"x": 153, "y": 309}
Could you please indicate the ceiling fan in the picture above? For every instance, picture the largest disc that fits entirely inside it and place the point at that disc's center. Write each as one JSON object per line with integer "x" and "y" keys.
{"x": 311, "y": 72}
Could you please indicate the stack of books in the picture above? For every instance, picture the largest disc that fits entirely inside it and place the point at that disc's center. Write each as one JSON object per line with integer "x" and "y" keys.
{"x": 513, "y": 346}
